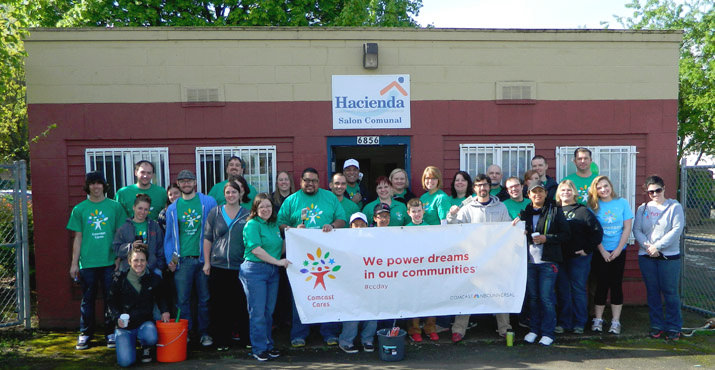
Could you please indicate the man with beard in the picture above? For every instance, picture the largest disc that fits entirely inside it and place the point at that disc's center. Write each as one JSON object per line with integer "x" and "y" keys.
{"x": 234, "y": 167}
{"x": 311, "y": 208}
{"x": 516, "y": 202}
{"x": 495, "y": 175}
{"x": 184, "y": 237}
{"x": 144, "y": 172}
{"x": 482, "y": 208}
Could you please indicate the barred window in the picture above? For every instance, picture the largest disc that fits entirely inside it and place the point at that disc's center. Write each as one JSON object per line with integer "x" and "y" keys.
{"x": 514, "y": 159}
{"x": 616, "y": 162}
{"x": 117, "y": 165}
{"x": 259, "y": 165}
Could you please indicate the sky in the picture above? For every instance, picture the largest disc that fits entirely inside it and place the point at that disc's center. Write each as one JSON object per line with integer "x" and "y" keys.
{"x": 521, "y": 13}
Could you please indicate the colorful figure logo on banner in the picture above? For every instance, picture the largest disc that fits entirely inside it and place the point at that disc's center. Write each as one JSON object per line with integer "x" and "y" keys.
{"x": 319, "y": 266}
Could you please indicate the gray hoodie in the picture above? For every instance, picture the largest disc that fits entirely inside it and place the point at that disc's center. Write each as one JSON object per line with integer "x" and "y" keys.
{"x": 474, "y": 212}
{"x": 662, "y": 231}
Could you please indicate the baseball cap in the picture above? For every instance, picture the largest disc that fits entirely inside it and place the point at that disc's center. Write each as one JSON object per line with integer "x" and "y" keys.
{"x": 186, "y": 175}
{"x": 351, "y": 162}
{"x": 380, "y": 208}
{"x": 358, "y": 216}
{"x": 537, "y": 185}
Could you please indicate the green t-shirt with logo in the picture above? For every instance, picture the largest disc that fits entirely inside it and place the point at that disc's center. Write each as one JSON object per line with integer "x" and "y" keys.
{"x": 515, "y": 208}
{"x": 140, "y": 229}
{"x": 320, "y": 208}
{"x": 582, "y": 185}
{"x": 217, "y": 193}
{"x": 398, "y": 212}
{"x": 349, "y": 206}
{"x": 258, "y": 233}
{"x": 189, "y": 214}
{"x": 436, "y": 207}
{"x": 350, "y": 191}
{"x": 128, "y": 194}
{"x": 97, "y": 222}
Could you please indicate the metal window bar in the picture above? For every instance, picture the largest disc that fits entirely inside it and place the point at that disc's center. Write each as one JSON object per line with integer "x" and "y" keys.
{"x": 117, "y": 165}
{"x": 514, "y": 159}
{"x": 259, "y": 164}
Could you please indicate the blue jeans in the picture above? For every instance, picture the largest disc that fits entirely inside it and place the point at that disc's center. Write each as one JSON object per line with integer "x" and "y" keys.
{"x": 541, "y": 279}
{"x": 189, "y": 275}
{"x": 299, "y": 330}
{"x": 350, "y": 331}
{"x": 127, "y": 342}
{"x": 260, "y": 283}
{"x": 89, "y": 278}
{"x": 661, "y": 277}
{"x": 571, "y": 287}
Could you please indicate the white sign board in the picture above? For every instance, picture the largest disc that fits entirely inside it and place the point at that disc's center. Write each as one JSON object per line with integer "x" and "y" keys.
{"x": 370, "y": 102}
{"x": 386, "y": 272}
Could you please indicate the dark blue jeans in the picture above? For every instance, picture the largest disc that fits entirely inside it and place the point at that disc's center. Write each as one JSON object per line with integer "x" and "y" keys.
{"x": 661, "y": 278}
{"x": 260, "y": 283}
{"x": 540, "y": 283}
{"x": 89, "y": 279}
{"x": 189, "y": 275}
{"x": 571, "y": 288}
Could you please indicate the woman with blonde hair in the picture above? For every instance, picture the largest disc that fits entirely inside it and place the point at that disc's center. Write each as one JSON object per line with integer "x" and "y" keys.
{"x": 400, "y": 191}
{"x": 436, "y": 202}
{"x": 608, "y": 264}
{"x": 586, "y": 234}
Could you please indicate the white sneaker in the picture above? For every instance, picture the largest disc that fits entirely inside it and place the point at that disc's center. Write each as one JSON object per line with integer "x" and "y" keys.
{"x": 546, "y": 341}
{"x": 530, "y": 338}
{"x": 615, "y": 327}
{"x": 206, "y": 340}
{"x": 597, "y": 325}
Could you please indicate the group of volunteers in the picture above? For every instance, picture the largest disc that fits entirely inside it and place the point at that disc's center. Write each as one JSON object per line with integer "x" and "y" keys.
{"x": 218, "y": 260}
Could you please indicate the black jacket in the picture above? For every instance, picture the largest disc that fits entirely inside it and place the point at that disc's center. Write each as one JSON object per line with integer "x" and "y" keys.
{"x": 586, "y": 231}
{"x": 123, "y": 298}
{"x": 553, "y": 224}
{"x": 408, "y": 195}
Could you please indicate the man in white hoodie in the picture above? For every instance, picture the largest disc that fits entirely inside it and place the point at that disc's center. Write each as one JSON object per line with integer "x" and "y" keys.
{"x": 482, "y": 208}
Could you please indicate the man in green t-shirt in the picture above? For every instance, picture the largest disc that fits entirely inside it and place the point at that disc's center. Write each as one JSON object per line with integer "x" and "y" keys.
{"x": 313, "y": 208}
{"x": 337, "y": 186}
{"x": 583, "y": 176}
{"x": 183, "y": 241}
{"x": 495, "y": 176}
{"x": 516, "y": 202}
{"x": 234, "y": 167}
{"x": 354, "y": 190}
{"x": 144, "y": 172}
{"x": 94, "y": 221}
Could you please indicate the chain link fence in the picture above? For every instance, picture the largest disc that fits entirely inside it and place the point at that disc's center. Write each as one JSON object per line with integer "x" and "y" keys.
{"x": 697, "y": 195}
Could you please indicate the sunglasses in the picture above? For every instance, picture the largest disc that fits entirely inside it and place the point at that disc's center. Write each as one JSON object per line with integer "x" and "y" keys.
{"x": 655, "y": 191}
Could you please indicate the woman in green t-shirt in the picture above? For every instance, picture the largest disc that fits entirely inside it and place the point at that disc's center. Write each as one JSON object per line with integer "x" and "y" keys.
{"x": 462, "y": 188}
{"x": 436, "y": 202}
{"x": 259, "y": 273}
{"x": 398, "y": 211}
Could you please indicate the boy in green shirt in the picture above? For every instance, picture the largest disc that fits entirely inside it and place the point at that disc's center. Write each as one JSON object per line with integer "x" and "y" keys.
{"x": 94, "y": 222}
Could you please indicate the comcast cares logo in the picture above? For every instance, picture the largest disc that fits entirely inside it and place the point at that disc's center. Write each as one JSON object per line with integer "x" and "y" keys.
{"x": 319, "y": 266}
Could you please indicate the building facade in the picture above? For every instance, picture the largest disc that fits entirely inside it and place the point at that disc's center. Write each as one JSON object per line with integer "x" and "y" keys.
{"x": 189, "y": 98}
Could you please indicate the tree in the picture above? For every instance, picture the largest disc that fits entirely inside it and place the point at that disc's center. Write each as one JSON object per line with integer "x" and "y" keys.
{"x": 314, "y": 13}
{"x": 696, "y": 98}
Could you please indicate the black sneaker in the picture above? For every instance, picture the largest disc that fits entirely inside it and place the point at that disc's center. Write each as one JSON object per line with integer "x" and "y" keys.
{"x": 146, "y": 355}
{"x": 274, "y": 353}
{"x": 655, "y": 334}
{"x": 349, "y": 348}
{"x": 263, "y": 356}
{"x": 368, "y": 347}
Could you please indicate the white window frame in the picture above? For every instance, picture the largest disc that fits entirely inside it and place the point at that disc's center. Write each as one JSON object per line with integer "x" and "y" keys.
{"x": 252, "y": 157}
{"x": 502, "y": 155}
{"x": 621, "y": 171}
{"x": 95, "y": 158}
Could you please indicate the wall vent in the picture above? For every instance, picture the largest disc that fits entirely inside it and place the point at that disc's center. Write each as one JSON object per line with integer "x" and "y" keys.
{"x": 516, "y": 92}
{"x": 202, "y": 96}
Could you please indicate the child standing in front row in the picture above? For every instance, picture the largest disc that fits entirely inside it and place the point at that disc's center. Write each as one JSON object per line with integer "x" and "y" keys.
{"x": 416, "y": 212}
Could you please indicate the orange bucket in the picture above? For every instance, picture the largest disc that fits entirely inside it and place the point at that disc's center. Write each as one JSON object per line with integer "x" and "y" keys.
{"x": 171, "y": 346}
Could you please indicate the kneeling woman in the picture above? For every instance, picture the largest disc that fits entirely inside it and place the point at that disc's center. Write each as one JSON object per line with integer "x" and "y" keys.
{"x": 259, "y": 273}
{"x": 134, "y": 293}
{"x": 546, "y": 230}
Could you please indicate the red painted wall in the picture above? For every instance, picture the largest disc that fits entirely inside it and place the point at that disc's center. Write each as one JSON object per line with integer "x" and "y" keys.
{"x": 299, "y": 131}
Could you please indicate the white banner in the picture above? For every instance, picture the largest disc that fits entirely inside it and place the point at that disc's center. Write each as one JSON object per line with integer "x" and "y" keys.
{"x": 371, "y": 101}
{"x": 403, "y": 272}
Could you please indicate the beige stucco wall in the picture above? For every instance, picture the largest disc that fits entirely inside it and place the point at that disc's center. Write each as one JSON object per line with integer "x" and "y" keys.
{"x": 267, "y": 64}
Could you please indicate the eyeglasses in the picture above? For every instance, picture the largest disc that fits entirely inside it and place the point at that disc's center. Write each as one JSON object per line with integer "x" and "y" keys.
{"x": 484, "y": 185}
{"x": 655, "y": 191}
{"x": 314, "y": 181}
